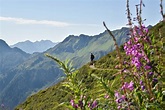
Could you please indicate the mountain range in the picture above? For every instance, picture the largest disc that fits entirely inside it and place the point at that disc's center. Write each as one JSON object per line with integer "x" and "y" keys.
{"x": 37, "y": 46}
{"x": 36, "y": 72}
{"x": 10, "y": 57}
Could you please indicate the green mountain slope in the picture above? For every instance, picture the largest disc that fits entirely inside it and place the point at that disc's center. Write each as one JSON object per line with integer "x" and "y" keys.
{"x": 78, "y": 48}
{"x": 39, "y": 72}
{"x": 53, "y": 97}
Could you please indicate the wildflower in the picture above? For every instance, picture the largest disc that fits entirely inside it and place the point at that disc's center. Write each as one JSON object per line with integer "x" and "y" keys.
{"x": 150, "y": 74}
{"x": 94, "y": 104}
{"x": 89, "y": 104}
{"x": 119, "y": 98}
{"x": 125, "y": 62}
{"x": 129, "y": 86}
{"x": 136, "y": 49}
{"x": 119, "y": 107}
{"x": 125, "y": 85}
{"x": 141, "y": 82}
{"x": 143, "y": 87}
{"x": 73, "y": 104}
{"x": 80, "y": 103}
{"x": 106, "y": 96}
{"x": 117, "y": 66}
{"x": 147, "y": 67}
{"x": 117, "y": 94}
{"x": 155, "y": 80}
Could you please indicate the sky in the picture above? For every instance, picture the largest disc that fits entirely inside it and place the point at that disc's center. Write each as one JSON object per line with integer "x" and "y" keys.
{"x": 54, "y": 20}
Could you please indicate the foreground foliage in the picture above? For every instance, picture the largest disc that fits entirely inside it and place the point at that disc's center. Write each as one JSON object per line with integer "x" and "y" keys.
{"x": 135, "y": 81}
{"x": 55, "y": 96}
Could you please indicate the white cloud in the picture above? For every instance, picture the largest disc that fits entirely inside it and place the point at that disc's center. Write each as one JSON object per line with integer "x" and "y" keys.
{"x": 30, "y": 21}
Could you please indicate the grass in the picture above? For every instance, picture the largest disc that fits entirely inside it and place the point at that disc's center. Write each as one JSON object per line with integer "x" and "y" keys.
{"x": 53, "y": 97}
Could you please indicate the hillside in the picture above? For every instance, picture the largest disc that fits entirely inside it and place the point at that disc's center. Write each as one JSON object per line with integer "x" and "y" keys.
{"x": 38, "y": 46}
{"x": 78, "y": 48}
{"x": 53, "y": 96}
{"x": 9, "y": 59}
{"x": 39, "y": 72}
{"x": 57, "y": 97}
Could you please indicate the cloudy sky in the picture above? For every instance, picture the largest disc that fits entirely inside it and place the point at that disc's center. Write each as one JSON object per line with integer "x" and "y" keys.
{"x": 54, "y": 20}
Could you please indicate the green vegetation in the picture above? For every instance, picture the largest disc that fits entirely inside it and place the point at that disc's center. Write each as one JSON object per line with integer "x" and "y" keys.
{"x": 96, "y": 83}
{"x": 38, "y": 72}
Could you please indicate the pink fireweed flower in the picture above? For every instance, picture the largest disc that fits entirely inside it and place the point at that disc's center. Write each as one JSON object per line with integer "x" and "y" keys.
{"x": 129, "y": 86}
{"x": 73, "y": 104}
{"x": 142, "y": 85}
{"x": 155, "y": 80}
{"x": 135, "y": 49}
{"x": 141, "y": 82}
{"x": 150, "y": 74}
{"x": 125, "y": 85}
{"x": 147, "y": 67}
{"x": 119, "y": 98}
{"x": 94, "y": 104}
{"x": 140, "y": 31}
{"x": 117, "y": 95}
{"x": 119, "y": 107}
{"x": 89, "y": 104}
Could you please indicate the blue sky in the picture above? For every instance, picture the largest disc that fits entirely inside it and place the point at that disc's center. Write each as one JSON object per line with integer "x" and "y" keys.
{"x": 54, "y": 20}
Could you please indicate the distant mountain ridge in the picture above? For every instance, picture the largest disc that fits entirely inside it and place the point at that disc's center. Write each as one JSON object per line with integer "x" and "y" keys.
{"x": 3, "y": 46}
{"x": 39, "y": 71}
{"x": 10, "y": 57}
{"x": 38, "y": 46}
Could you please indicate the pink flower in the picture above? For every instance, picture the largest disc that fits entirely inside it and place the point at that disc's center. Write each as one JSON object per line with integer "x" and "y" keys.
{"x": 94, "y": 104}
{"x": 129, "y": 86}
{"x": 73, "y": 104}
{"x": 106, "y": 96}
{"x": 117, "y": 94}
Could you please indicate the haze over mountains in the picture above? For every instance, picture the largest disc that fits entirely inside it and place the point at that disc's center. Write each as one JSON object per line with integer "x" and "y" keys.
{"x": 10, "y": 57}
{"x": 38, "y": 46}
{"x": 36, "y": 71}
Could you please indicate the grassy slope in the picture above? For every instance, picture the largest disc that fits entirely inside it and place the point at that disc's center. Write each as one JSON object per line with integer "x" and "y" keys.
{"x": 39, "y": 71}
{"x": 51, "y": 97}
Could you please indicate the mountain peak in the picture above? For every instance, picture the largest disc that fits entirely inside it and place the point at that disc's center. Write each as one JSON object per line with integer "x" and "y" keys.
{"x": 3, "y": 45}
{"x": 37, "y": 46}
